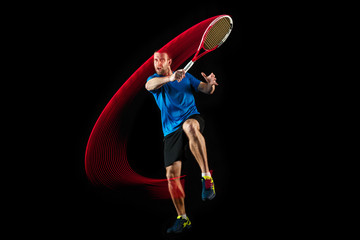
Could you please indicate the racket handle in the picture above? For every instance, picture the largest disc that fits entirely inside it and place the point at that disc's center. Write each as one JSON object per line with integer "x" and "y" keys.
{"x": 188, "y": 66}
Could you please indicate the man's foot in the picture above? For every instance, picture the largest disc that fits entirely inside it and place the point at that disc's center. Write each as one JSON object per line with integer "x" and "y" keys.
{"x": 208, "y": 188}
{"x": 181, "y": 225}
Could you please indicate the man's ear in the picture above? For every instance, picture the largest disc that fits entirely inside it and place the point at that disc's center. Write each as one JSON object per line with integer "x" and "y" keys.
{"x": 170, "y": 62}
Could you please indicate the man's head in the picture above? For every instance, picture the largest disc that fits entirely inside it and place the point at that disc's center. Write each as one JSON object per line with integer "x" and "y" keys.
{"x": 162, "y": 63}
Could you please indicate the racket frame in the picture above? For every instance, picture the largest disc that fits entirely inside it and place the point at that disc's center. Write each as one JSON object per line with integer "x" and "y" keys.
{"x": 202, "y": 42}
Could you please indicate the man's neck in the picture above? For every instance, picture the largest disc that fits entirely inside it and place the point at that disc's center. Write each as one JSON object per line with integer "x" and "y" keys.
{"x": 169, "y": 73}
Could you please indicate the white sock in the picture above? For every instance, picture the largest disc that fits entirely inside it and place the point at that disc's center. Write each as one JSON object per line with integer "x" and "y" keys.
{"x": 184, "y": 216}
{"x": 206, "y": 174}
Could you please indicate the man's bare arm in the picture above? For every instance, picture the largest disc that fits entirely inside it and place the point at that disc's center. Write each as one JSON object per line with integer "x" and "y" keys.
{"x": 158, "y": 82}
{"x": 206, "y": 88}
{"x": 209, "y": 86}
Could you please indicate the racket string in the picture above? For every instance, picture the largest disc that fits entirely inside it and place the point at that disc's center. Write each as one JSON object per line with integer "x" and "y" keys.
{"x": 219, "y": 30}
{"x": 217, "y": 33}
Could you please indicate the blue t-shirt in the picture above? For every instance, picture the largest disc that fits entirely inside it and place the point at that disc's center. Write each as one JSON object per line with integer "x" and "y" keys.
{"x": 176, "y": 101}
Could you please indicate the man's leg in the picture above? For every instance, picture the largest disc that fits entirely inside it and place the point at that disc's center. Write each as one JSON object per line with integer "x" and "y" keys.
{"x": 198, "y": 148}
{"x": 197, "y": 143}
{"x": 173, "y": 173}
{"x": 177, "y": 193}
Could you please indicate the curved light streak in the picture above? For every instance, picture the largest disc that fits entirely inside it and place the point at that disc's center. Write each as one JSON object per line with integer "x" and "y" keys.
{"x": 106, "y": 160}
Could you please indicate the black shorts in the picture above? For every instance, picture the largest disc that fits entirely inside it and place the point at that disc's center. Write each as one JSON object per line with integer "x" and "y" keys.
{"x": 177, "y": 143}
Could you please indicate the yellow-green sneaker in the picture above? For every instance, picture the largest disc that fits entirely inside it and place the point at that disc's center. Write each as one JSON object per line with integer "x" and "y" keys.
{"x": 181, "y": 225}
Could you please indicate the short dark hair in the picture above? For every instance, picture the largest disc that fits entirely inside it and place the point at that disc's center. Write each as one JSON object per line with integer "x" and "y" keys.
{"x": 162, "y": 51}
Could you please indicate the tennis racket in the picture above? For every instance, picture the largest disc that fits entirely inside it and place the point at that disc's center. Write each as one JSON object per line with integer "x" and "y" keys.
{"x": 214, "y": 36}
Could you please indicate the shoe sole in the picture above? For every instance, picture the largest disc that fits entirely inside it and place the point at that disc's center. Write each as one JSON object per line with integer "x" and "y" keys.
{"x": 184, "y": 231}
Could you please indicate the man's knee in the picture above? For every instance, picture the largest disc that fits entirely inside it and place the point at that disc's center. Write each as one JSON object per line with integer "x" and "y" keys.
{"x": 191, "y": 127}
{"x": 170, "y": 174}
{"x": 173, "y": 171}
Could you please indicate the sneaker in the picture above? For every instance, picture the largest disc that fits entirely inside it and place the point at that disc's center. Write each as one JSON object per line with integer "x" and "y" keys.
{"x": 181, "y": 225}
{"x": 208, "y": 188}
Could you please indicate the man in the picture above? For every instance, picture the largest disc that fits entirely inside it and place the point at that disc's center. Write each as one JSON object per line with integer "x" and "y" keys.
{"x": 182, "y": 125}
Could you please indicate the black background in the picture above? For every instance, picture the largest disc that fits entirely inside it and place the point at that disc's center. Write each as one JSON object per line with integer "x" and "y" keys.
{"x": 252, "y": 129}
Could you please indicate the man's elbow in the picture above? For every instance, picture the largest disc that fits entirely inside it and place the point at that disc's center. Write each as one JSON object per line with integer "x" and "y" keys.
{"x": 147, "y": 87}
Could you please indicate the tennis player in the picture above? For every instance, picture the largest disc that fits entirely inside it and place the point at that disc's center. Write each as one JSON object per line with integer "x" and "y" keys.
{"x": 182, "y": 125}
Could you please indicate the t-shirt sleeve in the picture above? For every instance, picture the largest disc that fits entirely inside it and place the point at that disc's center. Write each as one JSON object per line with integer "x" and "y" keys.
{"x": 193, "y": 81}
{"x": 151, "y": 77}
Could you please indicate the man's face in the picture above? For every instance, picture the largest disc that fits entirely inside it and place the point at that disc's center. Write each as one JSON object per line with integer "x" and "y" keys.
{"x": 162, "y": 63}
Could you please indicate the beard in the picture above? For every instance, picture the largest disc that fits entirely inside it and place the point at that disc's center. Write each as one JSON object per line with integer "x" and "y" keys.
{"x": 160, "y": 72}
{"x": 164, "y": 71}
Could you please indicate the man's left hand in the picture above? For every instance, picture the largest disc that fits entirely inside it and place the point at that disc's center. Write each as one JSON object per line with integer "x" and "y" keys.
{"x": 211, "y": 79}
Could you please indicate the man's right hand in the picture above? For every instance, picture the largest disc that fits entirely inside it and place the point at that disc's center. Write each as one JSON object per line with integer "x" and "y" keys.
{"x": 178, "y": 75}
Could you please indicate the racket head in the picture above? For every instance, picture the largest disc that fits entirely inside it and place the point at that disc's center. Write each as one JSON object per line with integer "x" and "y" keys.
{"x": 217, "y": 33}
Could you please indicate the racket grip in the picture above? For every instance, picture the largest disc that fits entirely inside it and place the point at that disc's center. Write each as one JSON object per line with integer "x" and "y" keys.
{"x": 188, "y": 66}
